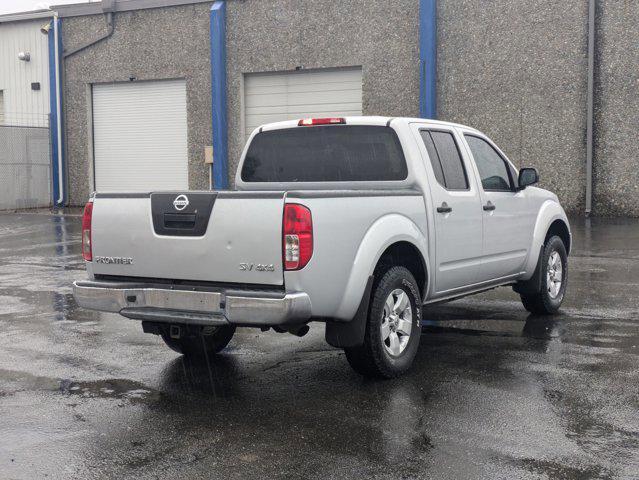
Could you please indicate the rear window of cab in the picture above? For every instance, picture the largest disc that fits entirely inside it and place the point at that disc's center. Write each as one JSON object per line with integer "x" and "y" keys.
{"x": 328, "y": 153}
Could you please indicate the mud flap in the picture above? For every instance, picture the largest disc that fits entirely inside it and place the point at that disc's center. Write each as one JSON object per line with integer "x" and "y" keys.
{"x": 533, "y": 285}
{"x": 351, "y": 334}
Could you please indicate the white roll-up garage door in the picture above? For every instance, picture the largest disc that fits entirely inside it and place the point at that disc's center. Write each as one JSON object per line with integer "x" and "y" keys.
{"x": 140, "y": 136}
{"x": 272, "y": 97}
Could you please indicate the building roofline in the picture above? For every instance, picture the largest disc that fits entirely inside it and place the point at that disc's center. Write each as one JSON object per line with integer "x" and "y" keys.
{"x": 96, "y": 8}
{"x": 22, "y": 16}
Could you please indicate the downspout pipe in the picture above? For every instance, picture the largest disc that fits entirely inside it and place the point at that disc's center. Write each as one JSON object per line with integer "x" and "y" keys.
{"x": 428, "y": 59}
{"x": 109, "y": 32}
{"x": 590, "y": 112}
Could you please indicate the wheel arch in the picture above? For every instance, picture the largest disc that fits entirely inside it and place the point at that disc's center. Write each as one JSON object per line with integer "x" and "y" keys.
{"x": 551, "y": 219}
{"x": 404, "y": 243}
{"x": 407, "y": 247}
{"x": 405, "y": 254}
{"x": 560, "y": 228}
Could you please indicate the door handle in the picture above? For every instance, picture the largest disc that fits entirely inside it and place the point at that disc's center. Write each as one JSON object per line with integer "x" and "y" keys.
{"x": 444, "y": 208}
{"x": 490, "y": 206}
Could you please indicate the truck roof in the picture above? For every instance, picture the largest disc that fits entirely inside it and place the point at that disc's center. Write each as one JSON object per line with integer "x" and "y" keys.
{"x": 365, "y": 120}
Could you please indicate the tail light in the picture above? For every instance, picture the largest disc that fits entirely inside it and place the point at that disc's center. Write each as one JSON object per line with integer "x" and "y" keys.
{"x": 86, "y": 232}
{"x": 297, "y": 241}
{"x": 308, "y": 122}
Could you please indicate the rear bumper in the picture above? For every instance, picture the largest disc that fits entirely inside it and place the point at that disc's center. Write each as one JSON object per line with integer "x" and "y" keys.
{"x": 169, "y": 304}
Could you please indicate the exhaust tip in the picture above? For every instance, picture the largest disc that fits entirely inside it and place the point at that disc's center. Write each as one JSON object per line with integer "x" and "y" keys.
{"x": 299, "y": 331}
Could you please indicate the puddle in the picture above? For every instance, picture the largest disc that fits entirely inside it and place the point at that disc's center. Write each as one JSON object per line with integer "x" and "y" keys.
{"x": 12, "y": 304}
{"x": 118, "y": 388}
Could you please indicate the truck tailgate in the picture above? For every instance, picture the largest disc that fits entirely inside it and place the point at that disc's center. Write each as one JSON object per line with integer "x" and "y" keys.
{"x": 228, "y": 237}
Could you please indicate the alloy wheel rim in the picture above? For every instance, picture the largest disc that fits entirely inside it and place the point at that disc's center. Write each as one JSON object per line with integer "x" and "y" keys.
{"x": 554, "y": 275}
{"x": 397, "y": 322}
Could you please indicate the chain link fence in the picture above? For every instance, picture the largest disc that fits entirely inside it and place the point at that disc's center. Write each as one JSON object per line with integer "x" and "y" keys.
{"x": 25, "y": 164}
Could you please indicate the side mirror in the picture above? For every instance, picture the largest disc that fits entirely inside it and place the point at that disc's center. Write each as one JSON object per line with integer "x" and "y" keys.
{"x": 527, "y": 176}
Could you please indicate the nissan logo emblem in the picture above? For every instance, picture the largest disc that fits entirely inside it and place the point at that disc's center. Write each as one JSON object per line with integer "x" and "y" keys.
{"x": 181, "y": 202}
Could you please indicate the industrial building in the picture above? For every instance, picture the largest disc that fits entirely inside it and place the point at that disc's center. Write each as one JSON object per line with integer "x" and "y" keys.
{"x": 153, "y": 91}
{"x": 29, "y": 107}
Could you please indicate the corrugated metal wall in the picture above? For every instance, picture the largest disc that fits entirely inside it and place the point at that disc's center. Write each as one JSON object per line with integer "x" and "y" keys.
{"x": 25, "y": 162}
{"x": 140, "y": 136}
{"x": 273, "y": 97}
{"x": 22, "y": 105}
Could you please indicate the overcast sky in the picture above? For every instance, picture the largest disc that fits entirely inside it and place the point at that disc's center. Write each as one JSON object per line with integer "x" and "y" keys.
{"x": 12, "y": 6}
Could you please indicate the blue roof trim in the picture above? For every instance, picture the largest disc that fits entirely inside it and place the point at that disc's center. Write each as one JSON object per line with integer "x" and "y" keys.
{"x": 218, "y": 95}
{"x": 428, "y": 59}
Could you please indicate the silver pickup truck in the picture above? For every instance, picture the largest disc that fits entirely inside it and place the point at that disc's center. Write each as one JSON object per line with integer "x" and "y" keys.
{"x": 356, "y": 222}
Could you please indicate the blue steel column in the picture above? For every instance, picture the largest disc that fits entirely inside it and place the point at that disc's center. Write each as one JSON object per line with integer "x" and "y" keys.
{"x": 218, "y": 95}
{"x": 428, "y": 59}
{"x": 58, "y": 175}
{"x": 53, "y": 108}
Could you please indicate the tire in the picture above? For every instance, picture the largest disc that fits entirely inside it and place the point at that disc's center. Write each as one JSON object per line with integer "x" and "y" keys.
{"x": 200, "y": 343}
{"x": 388, "y": 350}
{"x": 547, "y": 298}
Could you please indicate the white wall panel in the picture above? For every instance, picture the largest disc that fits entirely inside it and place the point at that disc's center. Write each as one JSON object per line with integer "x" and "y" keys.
{"x": 23, "y": 106}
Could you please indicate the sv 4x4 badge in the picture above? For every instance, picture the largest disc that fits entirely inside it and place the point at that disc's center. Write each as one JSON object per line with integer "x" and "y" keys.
{"x": 259, "y": 267}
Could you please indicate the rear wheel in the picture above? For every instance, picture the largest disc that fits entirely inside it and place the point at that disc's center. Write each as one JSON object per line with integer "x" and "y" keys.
{"x": 198, "y": 343}
{"x": 393, "y": 327}
{"x": 553, "y": 279}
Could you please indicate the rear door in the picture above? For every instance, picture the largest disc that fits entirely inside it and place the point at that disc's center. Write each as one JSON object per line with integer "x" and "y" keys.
{"x": 508, "y": 220}
{"x": 457, "y": 209}
{"x": 227, "y": 237}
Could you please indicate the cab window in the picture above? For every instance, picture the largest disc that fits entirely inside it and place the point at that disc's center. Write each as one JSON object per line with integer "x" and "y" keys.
{"x": 493, "y": 169}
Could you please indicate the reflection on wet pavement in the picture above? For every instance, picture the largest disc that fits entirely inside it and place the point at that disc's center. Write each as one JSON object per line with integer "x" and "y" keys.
{"x": 495, "y": 392}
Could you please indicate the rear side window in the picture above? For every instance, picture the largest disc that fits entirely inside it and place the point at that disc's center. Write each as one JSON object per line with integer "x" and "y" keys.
{"x": 332, "y": 153}
{"x": 445, "y": 159}
{"x": 434, "y": 158}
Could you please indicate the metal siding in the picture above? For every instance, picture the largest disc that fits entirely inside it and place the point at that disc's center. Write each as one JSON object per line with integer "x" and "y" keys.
{"x": 23, "y": 106}
{"x": 140, "y": 136}
{"x": 272, "y": 97}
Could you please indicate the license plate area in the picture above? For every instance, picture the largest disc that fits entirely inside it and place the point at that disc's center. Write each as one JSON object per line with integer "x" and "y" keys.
{"x": 209, "y": 302}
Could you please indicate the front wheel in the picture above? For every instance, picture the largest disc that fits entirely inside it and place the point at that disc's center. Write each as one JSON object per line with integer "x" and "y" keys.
{"x": 393, "y": 327}
{"x": 553, "y": 279}
{"x": 199, "y": 344}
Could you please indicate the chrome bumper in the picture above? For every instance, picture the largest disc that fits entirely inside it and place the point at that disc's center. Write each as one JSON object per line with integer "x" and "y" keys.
{"x": 197, "y": 307}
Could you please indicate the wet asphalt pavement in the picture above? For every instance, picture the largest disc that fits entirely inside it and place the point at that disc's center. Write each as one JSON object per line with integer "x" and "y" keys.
{"x": 494, "y": 393}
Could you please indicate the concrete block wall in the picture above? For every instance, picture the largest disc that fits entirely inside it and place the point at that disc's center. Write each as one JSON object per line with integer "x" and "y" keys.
{"x": 279, "y": 35}
{"x": 616, "y": 155}
{"x": 517, "y": 70}
{"x": 151, "y": 44}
